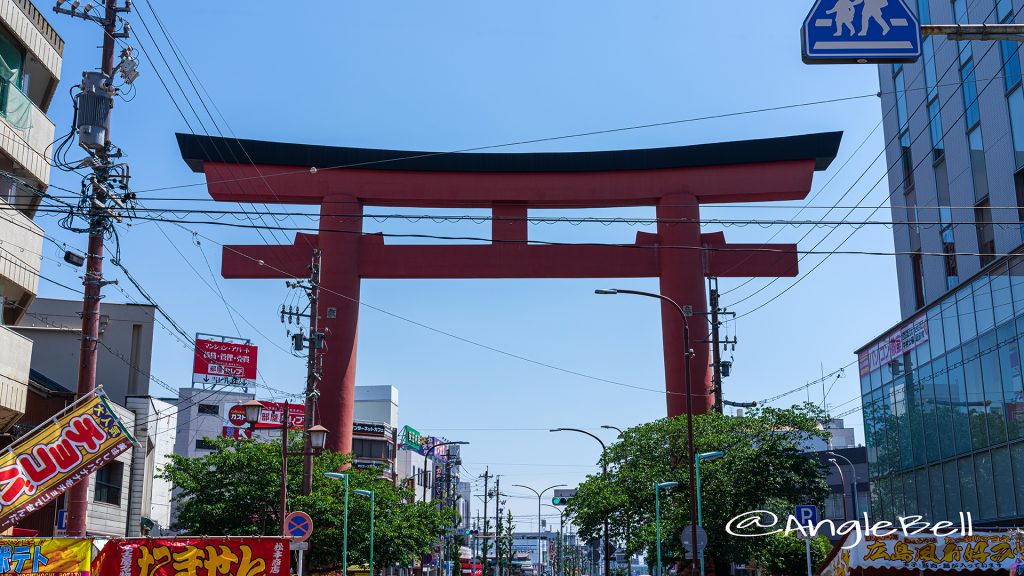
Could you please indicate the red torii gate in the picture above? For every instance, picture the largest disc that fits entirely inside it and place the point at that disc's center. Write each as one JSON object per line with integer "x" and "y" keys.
{"x": 675, "y": 180}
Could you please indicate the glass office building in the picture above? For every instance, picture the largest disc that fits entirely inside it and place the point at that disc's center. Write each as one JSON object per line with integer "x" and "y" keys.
{"x": 943, "y": 401}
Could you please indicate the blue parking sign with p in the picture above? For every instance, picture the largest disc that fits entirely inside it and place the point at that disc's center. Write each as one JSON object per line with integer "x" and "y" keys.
{"x": 807, "y": 515}
{"x": 861, "y": 32}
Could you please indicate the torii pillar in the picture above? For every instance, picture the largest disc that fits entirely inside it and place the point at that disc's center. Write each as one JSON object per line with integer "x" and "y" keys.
{"x": 674, "y": 180}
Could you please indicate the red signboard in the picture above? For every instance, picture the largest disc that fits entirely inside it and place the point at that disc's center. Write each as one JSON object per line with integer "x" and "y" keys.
{"x": 223, "y": 363}
{"x": 270, "y": 416}
{"x": 194, "y": 557}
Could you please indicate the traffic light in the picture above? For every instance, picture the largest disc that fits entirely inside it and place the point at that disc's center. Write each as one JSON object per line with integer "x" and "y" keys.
{"x": 560, "y": 500}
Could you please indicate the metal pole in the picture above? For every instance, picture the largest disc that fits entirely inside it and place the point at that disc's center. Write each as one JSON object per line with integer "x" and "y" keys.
{"x": 842, "y": 482}
{"x": 716, "y": 357}
{"x": 78, "y": 496}
{"x": 657, "y": 521}
{"x": 344, "y": 546}
{"x": 853, "y": 483}
{"x": 700, "y": 515}
{"x": 372, "y": 514}
{"x": 311, "y": 376}
{"x": 283, "y": 505}
{"x": 807, "y": 544}
{"x": 540, "y": 560}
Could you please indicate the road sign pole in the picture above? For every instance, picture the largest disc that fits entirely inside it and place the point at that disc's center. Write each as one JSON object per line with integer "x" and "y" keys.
{"x": 810, "y": 570}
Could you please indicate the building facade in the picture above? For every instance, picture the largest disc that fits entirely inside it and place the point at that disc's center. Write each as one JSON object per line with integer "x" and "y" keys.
{"x": 942, "y": 393}
{"x": 30, "y": 61}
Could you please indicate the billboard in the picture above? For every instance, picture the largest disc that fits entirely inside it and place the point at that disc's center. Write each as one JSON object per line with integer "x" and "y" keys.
{"x": 194, "y": 556}
{"x": 270, "y": 416}
{"x": 218, "y": 363}
{"x": 58, "y": 454}
{"x": 63, "y": 556}
{"x": 892, "y": 347}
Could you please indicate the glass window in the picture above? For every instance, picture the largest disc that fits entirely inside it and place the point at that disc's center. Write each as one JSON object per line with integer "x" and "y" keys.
{"x": 982, "y": 292}
{"x": 915, "y": 263}
{"x": 865, "y": 385}
{"x": 907, "y": 161}
{"x": 938, "y": 490}
{"x": 951, "y": 478}
{"x": 1004, "y": 9}
{"x": 976, "y": 407}
{"x": 986, "y": 235}
{"x": 1015, "y": 101}
{"x": 958, "y": 399}
{"x": 1002, "y": 299}
{"x": 901, "y": 99}
{"x": 951, "y": 320}
{"x": 992, "y": 383}
{"x": 876, "y": 379}
{"x": 968, "y": 486}
{"x": 979, "y": 169}
{"x": 903, "y": 426}
{"x": 897, "y": 503}
{"x": 970, "y": 91}
{"x": 211, "y": 409}
{"x": 915, "y": 409}
{"x": 943, "y": 409}
{"x": 928, "y": 408}
{"x": 910, "y": 505}
{"x": 965, "y": 310}
{"x": 924, "y": 501}
{"x": 1010, "y": 380}
{"x": 935, "y": 332}
{"x": 1017, "y": 465}
{"x": 961, "y": 17}
{"x": 985, "y": 485}
{"x": 108, "y": 483}
{"x": 1011, "y": 64}
{"x": 1003, "y": 474}
{"x": 924, "y": 13}
{"x": 935, "y": 128}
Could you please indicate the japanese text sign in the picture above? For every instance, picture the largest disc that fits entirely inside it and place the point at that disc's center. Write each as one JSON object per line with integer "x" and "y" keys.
{"x": 980, "y": 552}
{"x": 270, "y": 416}
{"x": 224, "y": 363}
{"x": 58, "y": 454}
{"x": 64, "y": 556}
{"x": 892, "y": 347}
{"x": 194, "y": 557}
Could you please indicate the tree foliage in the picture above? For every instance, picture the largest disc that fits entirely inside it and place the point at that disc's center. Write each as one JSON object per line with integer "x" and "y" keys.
{"x": 235, "y": 490}
{"x": 786, "y": 555}
{"x": 763, "y": 469}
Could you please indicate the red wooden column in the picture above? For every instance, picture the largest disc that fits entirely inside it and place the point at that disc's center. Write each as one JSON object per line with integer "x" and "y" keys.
{"x": 339, "y": 316}
{"x": 682, "y": 279}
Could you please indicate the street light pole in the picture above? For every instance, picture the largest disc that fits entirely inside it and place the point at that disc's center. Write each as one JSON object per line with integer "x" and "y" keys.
{"x": 842, "y": 481}
{"x": 853, "y": 492}
{"x": 657, "y": 515}
{"x": 344, "y": 546}
{"x": 558, "y": 550}
{"x": 709, "y": 456}
{"x": 687, "y": 354}
{"x": 540, "y": 557}
{"x": 428, "y": 456}
{"x": 604, "y": 473}
{"x": 372, "y": 494}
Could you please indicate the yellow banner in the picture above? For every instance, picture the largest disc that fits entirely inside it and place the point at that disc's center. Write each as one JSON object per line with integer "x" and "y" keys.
{"x": 58, "y": 454}
{"x": 64, "y": 556}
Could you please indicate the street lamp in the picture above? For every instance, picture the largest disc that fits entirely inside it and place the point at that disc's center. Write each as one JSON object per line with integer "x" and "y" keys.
{"x": 657, "y": 514}
{"x": 687, "y": 353}
{"x": 853, "y": 492}
{"x": 430, "y": 451}
{"x": 372, "y": 495}
{"x": 604, "y": 473}
{"x": 344, "y": 548}
{"x": 253, "y": 410}
{"x": 709, "y": 456}
{"x": 842, "y": 482}
{"x": 540, "y": 561}
{"x": 616, "y": 428}
{"x": 317, "y": 437}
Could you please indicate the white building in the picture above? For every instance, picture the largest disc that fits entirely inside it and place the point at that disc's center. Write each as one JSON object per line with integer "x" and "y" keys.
{"x": 30, "y": 58}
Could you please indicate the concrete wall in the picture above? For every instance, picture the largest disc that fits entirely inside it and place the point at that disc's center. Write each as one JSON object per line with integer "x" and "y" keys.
{"x": 123, "y": 358}
{"x": 21, "y": 242}
{"x": 156, "y": 431}
{"x": 377, "y": 404}
{"x": 15, "y": 352}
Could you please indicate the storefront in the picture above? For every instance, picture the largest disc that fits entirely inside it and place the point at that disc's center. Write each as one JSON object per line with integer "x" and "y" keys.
{"x": 896, "y": 555}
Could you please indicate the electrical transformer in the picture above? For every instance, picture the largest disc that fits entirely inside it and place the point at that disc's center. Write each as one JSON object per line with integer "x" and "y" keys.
{"x": 94, "y": 103}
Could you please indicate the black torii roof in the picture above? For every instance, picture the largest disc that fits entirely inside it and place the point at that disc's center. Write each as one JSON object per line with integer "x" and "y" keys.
{"x": 821, "y": 147}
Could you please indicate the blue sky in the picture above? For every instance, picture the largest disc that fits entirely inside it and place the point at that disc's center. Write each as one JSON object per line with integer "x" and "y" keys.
{"x": 456, "y": 74}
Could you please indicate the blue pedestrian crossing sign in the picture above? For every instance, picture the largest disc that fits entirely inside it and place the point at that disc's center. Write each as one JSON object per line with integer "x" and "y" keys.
{"x": 861, "y": 32}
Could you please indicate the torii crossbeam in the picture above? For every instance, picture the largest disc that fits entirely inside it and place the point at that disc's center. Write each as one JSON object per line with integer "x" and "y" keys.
{"x": 675, "y": 180}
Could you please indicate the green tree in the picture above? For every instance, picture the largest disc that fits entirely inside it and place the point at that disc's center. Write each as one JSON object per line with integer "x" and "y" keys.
{"x": 235, "y": 491}
{"x": 763, "y": 470}
{"x": 508, "y": 530}
{"x": 784, "y": 555}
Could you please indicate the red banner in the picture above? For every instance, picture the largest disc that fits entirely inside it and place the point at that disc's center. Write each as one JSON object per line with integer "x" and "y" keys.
{"x": 270, "y": 416}
{"x": 223, "y": 363}
{"x": 194, "y": 557}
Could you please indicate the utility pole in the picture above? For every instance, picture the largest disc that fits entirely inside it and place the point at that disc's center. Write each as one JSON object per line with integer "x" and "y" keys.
{"x": 94, "y": 104}
{"x": 316, "y": 343}
{"x": 497, "y": 525}
{"x": 483, "y": 562}
{"x": 716, "y": 343}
